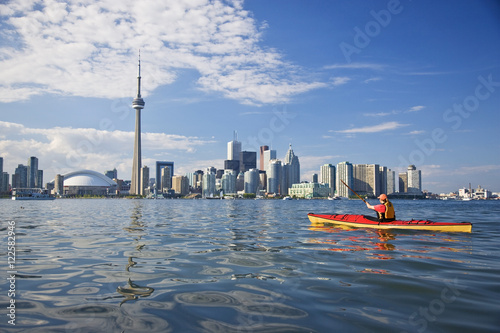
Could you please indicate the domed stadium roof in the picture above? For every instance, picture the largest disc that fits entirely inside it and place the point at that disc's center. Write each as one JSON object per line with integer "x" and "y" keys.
{"x": 87, "y": 178}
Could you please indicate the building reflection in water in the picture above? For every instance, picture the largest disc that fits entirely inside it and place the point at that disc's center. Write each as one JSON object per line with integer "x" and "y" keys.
{"x": 136, "y": 229}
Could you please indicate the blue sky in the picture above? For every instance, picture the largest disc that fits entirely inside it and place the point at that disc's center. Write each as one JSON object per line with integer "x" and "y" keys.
{"x": 386, "y": 82}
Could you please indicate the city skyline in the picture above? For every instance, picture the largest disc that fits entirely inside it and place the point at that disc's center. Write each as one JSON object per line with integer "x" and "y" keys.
{"x": 392, "y": 82}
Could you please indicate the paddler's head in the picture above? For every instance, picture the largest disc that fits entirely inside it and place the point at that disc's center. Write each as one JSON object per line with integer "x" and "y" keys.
{"x": 382, "y": 198}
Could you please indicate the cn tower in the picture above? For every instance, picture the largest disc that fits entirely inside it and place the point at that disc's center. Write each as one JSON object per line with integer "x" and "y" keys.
{"x": 138, "y": 105}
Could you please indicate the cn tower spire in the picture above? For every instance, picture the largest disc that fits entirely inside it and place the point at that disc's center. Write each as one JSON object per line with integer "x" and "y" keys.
{"x": 139, "y": 77}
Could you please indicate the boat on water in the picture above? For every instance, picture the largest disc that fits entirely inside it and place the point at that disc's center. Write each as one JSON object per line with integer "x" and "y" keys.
{"x": 363, "y": 221}
{"x": 31, "y": 194}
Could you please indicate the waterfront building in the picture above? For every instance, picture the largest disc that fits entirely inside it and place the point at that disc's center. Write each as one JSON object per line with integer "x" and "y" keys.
{"x": 240, "y": 182}
{"x": 32, "y": 172}
{"x": 212, "y": 170}
{"x": 112, "y": 174}
{"x": 261, "y": 157}
{"x": 159, "y": 169}
{"x": 39, "y": 179}
{"x": 166, "y": 180}
{"x": 208, "y": 187}
{"x": 291, "y": 170}
{"x": 391, "y": 182}
{"x": 180, "y": 184}
{"x": 84, "y": 182}
{"x": 232, "y": 165}
{"x": 20, "y": 177}
{"x": 59, "y": 184}
{"x": 482, "y": 193}
{"x": 366, "y": 179}
{"x": 144, "y": 190}
{"x": 137, "y": 186}
{"x": 248, "y": 160}
{"x": 344, "y": 173}
{"x": 314, "y": 178}
{"x": 414, "y": 180}
{"x": 274, "y": 177}
{"x": 234, "y": 148}
{"x": 382, "y": 171}
{"x": 228, "y": 182}
{"x": 195, "y": 178}
{"x": 403, "y": 182}
{"x": 252, "y": 181}
{"x": 5, "y": 182}
{"x": 309, "y": 190}
{"x": 263, "y": 179}
{"x": 328, "y": 177}
{"x": 269, "y": 155}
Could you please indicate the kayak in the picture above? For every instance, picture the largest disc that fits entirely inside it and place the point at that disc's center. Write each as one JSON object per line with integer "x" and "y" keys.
{"x": 362, "y": 221}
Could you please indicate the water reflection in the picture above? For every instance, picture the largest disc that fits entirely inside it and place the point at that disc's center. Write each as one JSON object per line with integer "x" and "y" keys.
{"x": 381, "y": 244}
{"x": 133, "y": 290}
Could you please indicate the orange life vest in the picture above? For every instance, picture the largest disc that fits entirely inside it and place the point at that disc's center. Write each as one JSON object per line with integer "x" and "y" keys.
{"x": 389, "y": 212}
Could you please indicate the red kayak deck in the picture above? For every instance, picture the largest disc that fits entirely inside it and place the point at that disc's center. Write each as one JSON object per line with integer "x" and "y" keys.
{"x": 362, "y": 221}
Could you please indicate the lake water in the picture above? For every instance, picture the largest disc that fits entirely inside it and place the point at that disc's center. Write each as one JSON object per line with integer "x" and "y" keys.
{"x": 118, "y": 265}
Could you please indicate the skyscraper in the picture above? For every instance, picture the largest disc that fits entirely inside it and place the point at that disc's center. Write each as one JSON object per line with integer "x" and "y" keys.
{"x": 208, "y": 189}
{"x": 403, "y": 182}
{"x": 291, "y": 170}
{"x": 160, "y": 165}
{"x": 165, "y": 180}
{"x": 20, "y": 177}
{"x": 274, "y": 177}
{"x": 391, "y": 182}
{"x": 344, "y": 173}
{"x": 180, "y": 184}
{"x": 261, "y": 157}
{"x": 32, "y": 172}
{"x": 234, "y": 148}
{"x": 112, "y": 174}
{"x": 248, "y": 160}
{"x": 366, "y": 179}
{"x": 251, "y": 181}
{"x": 414, "y": 180}
{"x": 328, "y": 176}
{"x": 229, "y": 182}
{"x": 59, "y": 184}
{"x": 269, "y": 155}
{"x": 144, "y": 181}
{"x": 138, "y": 105}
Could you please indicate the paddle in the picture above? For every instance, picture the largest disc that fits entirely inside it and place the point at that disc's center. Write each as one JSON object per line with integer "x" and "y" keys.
{"x": 353, "y": 191}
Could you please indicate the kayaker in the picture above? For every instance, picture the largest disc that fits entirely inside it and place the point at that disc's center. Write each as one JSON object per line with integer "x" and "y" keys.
{"x": 385, "y": 211}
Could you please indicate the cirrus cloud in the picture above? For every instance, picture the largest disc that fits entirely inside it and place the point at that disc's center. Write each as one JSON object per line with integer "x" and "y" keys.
{"x": 388, "y": 126}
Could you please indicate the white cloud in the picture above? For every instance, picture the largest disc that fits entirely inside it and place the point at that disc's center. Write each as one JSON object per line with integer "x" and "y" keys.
{"x": 388, "y": 126}
{"x": 64, "y": 149}
{"x": 416, "y": 108}
{"x": 373, "y": 79}
{"x": 89, "y": 48}
{"x": 337, "y": 81}
{"x": 416, "y": 132}
{"x": 356, "y": 65}
{"x": 379, "y": 114}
